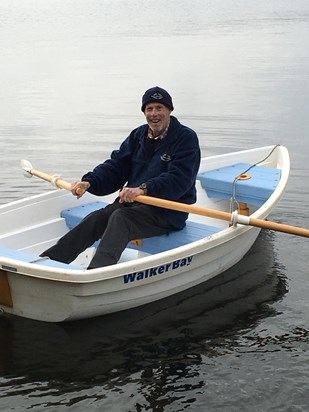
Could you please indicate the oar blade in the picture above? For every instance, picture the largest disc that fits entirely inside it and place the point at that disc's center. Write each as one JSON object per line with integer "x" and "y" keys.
{"x": 27, "y": 167}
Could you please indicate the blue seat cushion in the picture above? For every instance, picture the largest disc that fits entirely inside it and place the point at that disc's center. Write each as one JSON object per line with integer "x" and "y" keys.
{"x": 74, "y": 215}
{"x": 192, "y": 232}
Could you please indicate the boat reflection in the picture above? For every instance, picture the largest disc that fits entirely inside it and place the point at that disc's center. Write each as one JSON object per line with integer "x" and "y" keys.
{"x": 194, "y": 323}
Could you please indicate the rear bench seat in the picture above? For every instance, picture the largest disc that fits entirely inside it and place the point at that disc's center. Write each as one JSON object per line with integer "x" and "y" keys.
{"x": 218, "y": 183}
{"x": 192, "y": 232}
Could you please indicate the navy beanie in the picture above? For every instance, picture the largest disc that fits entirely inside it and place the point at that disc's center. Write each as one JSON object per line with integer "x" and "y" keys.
{"x": 158, "y": 95}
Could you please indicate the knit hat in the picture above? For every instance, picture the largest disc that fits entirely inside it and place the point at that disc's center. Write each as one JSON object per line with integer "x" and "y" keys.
{"x": 158, "y": 95}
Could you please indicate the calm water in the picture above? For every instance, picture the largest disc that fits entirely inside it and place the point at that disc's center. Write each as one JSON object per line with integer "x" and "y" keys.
{"x": 72, "y": 76}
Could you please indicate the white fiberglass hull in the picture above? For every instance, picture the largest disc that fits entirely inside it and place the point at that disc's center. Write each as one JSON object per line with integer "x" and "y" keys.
{"x": 58, "y": 294}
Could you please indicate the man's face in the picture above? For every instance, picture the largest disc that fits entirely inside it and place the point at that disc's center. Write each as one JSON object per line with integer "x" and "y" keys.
{"x": 157, "y": 116}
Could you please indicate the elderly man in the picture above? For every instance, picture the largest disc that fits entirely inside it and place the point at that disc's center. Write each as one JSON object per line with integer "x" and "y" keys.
{"x": 160, "y": 159}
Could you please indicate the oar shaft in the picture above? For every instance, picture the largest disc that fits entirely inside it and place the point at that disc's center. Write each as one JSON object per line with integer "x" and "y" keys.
{"x": 62, "y": 184}
{"x": 183, "y": 207}
{"x": 279, "y": 227}
{"x": 217, "y": 214}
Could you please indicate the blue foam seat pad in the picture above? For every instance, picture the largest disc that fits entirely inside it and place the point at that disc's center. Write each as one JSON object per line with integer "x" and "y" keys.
{"x": 30, "y": 258}
{"x": 74, "y": 215}
{"x": 218, "y": 183}
{"x": 192, "y": 232}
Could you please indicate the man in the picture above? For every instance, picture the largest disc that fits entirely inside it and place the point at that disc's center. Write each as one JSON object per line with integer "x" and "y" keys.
{"x": 160, "y": 159}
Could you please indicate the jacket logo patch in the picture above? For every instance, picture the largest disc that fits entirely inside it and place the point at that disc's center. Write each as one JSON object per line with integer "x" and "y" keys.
{"x": 166, "y": 158}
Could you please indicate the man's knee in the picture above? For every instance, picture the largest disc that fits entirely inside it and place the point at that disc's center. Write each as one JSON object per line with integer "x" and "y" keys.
{"x": 119, "y": 216}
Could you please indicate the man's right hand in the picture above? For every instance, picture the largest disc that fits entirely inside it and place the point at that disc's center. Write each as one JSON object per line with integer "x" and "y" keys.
{"x": 79, "y": 188}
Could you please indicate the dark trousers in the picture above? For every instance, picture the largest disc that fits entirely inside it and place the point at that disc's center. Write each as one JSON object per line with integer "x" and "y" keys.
{"x": 115, "y": 225}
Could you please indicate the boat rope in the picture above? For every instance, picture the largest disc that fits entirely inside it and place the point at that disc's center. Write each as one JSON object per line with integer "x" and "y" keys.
{"x": 234, "y": 205}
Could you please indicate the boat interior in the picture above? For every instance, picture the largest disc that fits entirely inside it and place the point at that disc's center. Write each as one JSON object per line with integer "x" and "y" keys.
{"x": 215, "y": 188}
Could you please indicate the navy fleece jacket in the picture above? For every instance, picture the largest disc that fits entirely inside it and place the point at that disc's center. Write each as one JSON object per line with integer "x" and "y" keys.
{"x": 169, "y": 171}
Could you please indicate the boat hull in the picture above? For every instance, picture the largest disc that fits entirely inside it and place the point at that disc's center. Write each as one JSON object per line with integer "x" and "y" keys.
{"x": 63, "y": 301}
{"x": 56, "y": 294}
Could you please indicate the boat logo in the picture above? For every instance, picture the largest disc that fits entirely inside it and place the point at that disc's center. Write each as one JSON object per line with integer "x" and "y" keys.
{"x": 157, "y": 96}
{"x": 158, "y": 270}
{"x": 166, "y": 158}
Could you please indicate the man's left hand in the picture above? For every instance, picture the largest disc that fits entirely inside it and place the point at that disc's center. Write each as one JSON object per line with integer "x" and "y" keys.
{"x": 128, "y": 194}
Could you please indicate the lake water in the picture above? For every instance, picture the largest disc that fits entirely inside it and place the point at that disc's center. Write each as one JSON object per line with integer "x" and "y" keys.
{"x": 72, "y": 76}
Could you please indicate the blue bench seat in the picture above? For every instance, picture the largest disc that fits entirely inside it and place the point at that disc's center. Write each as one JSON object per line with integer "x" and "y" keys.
{"x": 192, "y": 232}
{"x": 218, "y": 183}
{"x": 76, "y": 214}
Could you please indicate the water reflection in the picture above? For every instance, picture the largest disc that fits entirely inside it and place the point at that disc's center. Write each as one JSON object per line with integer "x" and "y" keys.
{"x": 188, "y": 326}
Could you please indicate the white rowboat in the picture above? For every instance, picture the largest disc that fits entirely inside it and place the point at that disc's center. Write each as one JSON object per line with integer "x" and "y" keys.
{"x": 150, "y": 269}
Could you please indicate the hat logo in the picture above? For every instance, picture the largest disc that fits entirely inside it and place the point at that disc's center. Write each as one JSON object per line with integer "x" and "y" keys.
{"x": 157, "y": 96}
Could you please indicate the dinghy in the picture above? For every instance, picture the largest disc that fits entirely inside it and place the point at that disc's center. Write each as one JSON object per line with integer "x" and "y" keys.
{"x": 236, "y": 192}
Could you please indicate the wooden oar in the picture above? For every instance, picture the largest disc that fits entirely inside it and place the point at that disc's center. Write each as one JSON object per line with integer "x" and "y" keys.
{"x": 54, "y": 180}
{"x": 234, "y": 218}
{"x": 217, "y": 214}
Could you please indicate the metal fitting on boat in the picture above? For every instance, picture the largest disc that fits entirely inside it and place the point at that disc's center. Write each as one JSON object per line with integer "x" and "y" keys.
{"x": 237, "y": 218}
